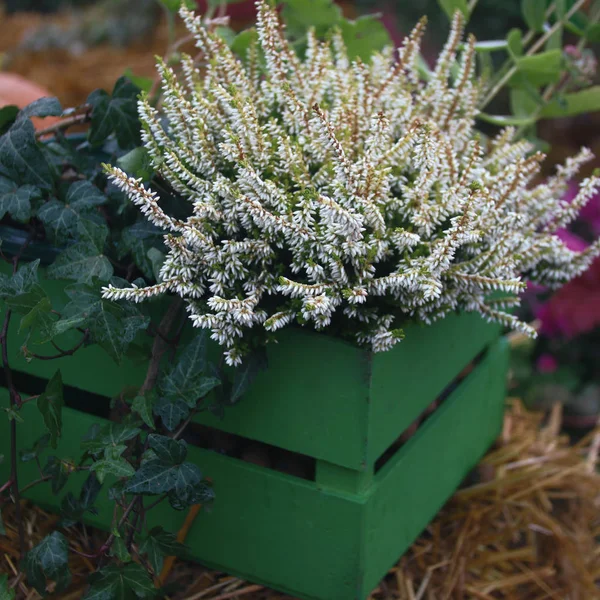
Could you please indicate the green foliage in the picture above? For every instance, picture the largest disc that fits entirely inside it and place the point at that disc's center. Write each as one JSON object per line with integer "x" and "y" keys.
{"x": 6, "y": 593}
{"x": 451, "y": 6}
{"x": 50, "y": 404}
{"x": 158, "y": 544}
{"x": 119, "y": 583}
{"x": 49, "y": 560}
{"x": 534, "y": 14}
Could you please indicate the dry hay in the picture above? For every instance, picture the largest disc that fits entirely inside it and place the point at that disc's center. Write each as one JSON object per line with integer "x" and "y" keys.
{"x": 527, "y": 529}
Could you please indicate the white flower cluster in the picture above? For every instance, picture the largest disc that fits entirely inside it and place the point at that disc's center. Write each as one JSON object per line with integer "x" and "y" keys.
{"x": 325, "y": 191}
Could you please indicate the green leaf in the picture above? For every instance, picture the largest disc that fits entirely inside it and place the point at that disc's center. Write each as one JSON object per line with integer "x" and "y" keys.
{"x": 144, "y": 83}
{"x": 138, "y": 239}
{"x": 187, "y": 380}
{"x": 119, "y": 550}
{"x": 8, "y": 115}
{"x": 167, "y": 449}
{"x": 156, "y": 476}
{"x": 523, "y": 103}
{"x": 245, "y": 374}
{"x": 111, "y": 325}
{"x": 156, "y": 258}
{"x": 22, "y": 282}
{"x": 50, "y": 404}
{"x": 175, "y": 5}
{"x": 171, "y": 412}
{"x": 42, "y": 107}
{"x": 120, "y": 583}
{"x": 116, "y": 114}
{"x": 6, "y": 592}
{"x": 243, "y": 41}
{"x": 81, "y": 262}
{"x": 24, "y": 303}
{"x": 539, "y": 69}
{"x": 16, "y": 200}
{"x": 364, "y": 36}
{"x": 451, "y": 6}
{"x": 506, "y": 120}
{"x": 39, "y": 319}
{"x": 137, "y": 163}
{"x": 300, "y": 15}
{"x": 491, "y": 46}
{"x": 142, "y": 405}
{"x": 89, "y": 492}
{"x": 112, "y": 435}
{"x": 49, "y": 560}
{"x": 57, "y": 469}
{"x": 21, "y": 159}
{"x": 84, "y": 194}
{"x": 38, "y": 448}
{"x": 534, "y": 14}
{"x": 576, "y": 103}
{"x": 199, "y": 493}
{"x": 118, "y": 467}
{"x": 592, "y": 33}
{"x": 158, "y": 544}
{"x": 514, "y": 42}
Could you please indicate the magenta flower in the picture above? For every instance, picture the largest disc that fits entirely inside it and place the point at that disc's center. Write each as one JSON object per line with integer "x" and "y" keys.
{"x": 546, "y": 363}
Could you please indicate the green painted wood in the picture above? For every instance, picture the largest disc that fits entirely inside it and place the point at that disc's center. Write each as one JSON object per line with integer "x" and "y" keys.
{"x": 407, "y": 379}
{"x": 303, "y": 537}
{"x": 411, "y": 488}
{"x": 334, "y": 477}
{"x": 344, "y": 406}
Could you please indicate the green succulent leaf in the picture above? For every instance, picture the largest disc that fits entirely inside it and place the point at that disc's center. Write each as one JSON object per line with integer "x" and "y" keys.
{"x": 364, "y": 36}
{"x": 137, "y": 163}
{"x": 576, "y": 103}
{"x": 50, "y": 404}
{"x": 49, "y": 560}
{"x": 534, "y": 14}
{"x": 300, "y": 15}
{"x": 451, "y": 6}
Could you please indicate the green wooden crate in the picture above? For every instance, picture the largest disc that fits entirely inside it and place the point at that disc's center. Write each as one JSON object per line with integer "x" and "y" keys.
{"x": 334, "y": 537}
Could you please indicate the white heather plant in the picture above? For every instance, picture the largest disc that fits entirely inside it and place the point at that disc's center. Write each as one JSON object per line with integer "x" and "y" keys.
{"x": 335, "y": 193}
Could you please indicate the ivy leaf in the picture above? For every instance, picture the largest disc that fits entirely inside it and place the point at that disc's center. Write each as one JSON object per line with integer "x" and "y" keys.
{"x": 119, "y": 550}
{"x": 6, "y": 592}
{"x": 156, "y": 476}
{"x": 49, "y": 560}
{"x": 21, "y": 159}
{"x": 186, "y": 380}
{"x": 364, "y": 36}
{"x": 39, "y": 319}
{"x": 120, "y": 583}
{"x": 16, "y": 200}
{"x": 58, "y": 471}
{"x": 171, "y": 412}
{"x": 81, "y": 262}
{"x": 116, "y": 114}
{"x": 142, "y": 405}
{"x": 245, "y": 374}
{"x": 42, "y": 107}
{"x": 534, "y": 14}
{"x": 50, "y": 404}
{"x": 21, "y": 282}
{"x": 167, "y": 449}
{"x": 451, "y": 6}
{"x": 89, "y": 492}
{"x": 199, "y": 493}
{"x": 84, "y": 194}
{"x": 38, "y": 448}
{"x": 25, "y": 302}
{"x": 8, "y": 115}
{"x": 158, "y": 544}
{"x": 138, "y": 239}
{"x": 118, "y": 467}
{"x": 112, "y": 435}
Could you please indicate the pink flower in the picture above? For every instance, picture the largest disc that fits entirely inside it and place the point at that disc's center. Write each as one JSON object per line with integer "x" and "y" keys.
{"x": 546, "y": 363}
